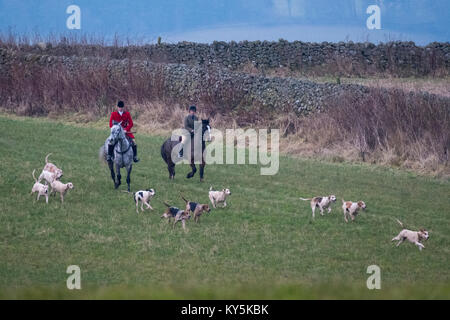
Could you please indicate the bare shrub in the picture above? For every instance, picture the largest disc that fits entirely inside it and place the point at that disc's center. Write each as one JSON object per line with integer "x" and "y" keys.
{"x": 403, "y": 127}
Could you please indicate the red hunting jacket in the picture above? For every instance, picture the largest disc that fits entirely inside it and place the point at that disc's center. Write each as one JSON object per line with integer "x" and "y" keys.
{"x": 127, "y": 122}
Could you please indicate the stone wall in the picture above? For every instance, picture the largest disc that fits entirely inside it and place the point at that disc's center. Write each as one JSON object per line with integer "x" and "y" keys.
{"x": 344, "y": 58}
{"x": 225, "y": 90}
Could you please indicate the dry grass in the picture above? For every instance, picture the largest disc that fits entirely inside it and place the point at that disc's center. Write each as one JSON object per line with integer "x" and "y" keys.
{"x": 415, "y": 138}
{"x": 388, "y": 127}
{"x": 437, "y": 86}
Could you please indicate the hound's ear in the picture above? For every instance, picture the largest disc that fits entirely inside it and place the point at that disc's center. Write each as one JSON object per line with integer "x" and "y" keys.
{"x": 360, "y": 204}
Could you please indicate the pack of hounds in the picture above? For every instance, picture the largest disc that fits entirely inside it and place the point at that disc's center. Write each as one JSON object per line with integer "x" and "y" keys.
{"x": 51, "y": 174}
{"x": 191, "y": 208}
{"x": 351, "y": 210}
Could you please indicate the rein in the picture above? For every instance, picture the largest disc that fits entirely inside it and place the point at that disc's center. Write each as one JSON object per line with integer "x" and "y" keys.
{"x": 123, "y": 152}
{"x": 121, "y": 142}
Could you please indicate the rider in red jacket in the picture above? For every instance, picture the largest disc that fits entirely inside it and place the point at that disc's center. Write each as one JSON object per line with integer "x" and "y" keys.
{"x": 127, "y": 123}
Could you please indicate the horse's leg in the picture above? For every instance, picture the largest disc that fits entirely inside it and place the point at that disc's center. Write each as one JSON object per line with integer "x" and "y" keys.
{"x": 202, "y": 170}
{"x": 194, "y": 170}
{"x": 129, "y": 176}
{"x": 119, "y": 177}
{"x": 202, "y": 165}
{"x": 111, "y": 169}
{"x": 171, "y": 167}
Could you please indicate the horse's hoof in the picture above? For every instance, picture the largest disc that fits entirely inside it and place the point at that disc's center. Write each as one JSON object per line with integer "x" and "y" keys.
{"x": 201, "y": 179}
{"x": 189, "y": 176}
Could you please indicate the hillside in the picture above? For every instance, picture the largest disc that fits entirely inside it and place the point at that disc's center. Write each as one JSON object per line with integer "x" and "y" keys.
{"x": 264, "y": 245}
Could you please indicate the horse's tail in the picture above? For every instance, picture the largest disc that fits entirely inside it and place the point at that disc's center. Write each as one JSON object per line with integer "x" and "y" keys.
{"x": 46, "y": 158}
{"x": 102, "y": 154}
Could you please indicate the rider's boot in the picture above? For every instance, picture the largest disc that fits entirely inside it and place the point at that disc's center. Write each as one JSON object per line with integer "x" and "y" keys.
{"x": 135, "y": 158}
{"x": 110, "y": 155}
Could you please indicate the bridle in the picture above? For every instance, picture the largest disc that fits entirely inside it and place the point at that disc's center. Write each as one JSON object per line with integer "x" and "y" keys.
{"x": 206, "y": 127}
{"x": 120, "y": 139}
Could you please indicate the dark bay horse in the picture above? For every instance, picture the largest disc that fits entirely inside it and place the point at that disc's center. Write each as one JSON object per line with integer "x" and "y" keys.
{"x": 169, "y": 152}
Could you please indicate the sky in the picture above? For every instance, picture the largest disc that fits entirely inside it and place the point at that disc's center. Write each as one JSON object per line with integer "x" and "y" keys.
{"x": 421, "y": 21}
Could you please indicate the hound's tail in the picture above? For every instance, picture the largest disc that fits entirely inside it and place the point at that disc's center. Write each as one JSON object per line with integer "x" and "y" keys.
{"x": 304, "y": 199}
{"x": 184, "y": 199}
{"x": 167, "y": 205}
{"x": 400, "y": 223}
{"x": 210, "y": 188}
{"x": 46, "y": 158}
{"x": 35, "y": 180}
{"x": 343, "y": 201}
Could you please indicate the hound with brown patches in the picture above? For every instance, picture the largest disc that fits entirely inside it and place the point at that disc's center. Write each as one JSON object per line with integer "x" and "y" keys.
{"x": 48, "y": 176}
{"x": 196, "y": 208}
{"x": 176, "y": 214}
{"x": 412, "y": 236}
{"x": 351, "y": 209}
{"x": 321, "y": 203}
{"x": 61, "y": 188}
{"x": 50, "y": 167}
{"x": 42, "y": 190}
{"x": 144, "y": 196}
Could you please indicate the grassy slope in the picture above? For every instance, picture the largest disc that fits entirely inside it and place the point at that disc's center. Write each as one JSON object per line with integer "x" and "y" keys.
{"x": 264, "y": 245}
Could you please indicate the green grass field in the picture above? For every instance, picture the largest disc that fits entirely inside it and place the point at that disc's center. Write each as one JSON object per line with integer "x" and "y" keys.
{"x": 264, "y": 245}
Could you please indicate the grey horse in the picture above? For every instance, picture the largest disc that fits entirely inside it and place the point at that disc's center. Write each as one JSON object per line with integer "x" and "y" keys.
{"x": 123, "y": 154}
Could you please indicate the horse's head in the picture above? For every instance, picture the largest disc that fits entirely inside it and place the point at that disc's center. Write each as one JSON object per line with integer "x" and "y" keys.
{"x": 116, "y": 131}
{"x": 206, "y": 130}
